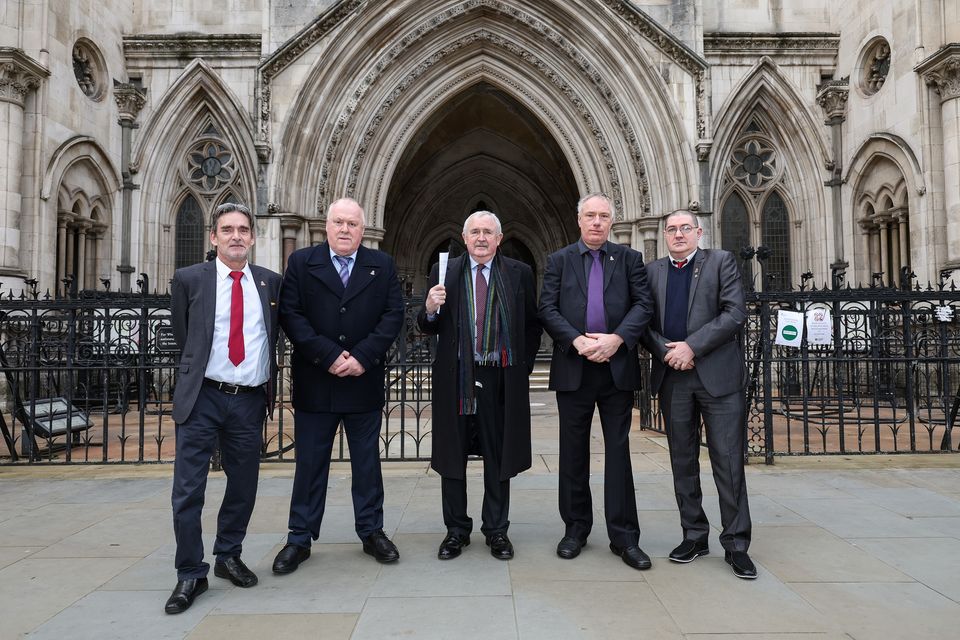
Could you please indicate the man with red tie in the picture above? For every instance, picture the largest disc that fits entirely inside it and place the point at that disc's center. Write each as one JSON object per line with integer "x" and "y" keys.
{"x": 224, "y": 316}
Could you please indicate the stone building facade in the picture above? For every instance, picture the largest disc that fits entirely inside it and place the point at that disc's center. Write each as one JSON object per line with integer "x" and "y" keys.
{"x": 828, "y": 132}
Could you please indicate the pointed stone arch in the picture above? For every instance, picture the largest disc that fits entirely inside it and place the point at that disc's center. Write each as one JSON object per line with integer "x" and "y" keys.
{"x": 199, "y": 105}
{"x": 547, "y": 57}
{"x": 892, "y": 228}
{"x": 765, "y": 100}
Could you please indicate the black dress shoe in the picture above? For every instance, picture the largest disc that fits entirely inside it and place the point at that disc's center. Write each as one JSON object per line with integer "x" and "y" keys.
{"x": 184, "y": 594}
{"x": 290, "y": 558}
{"x": 569, "y": 547}
{"x": 378, "y": 545}
{"x": 689, "y": 550}
{"x": 743, "y": 566}
{"x": 500, "y": 546}
{"x": 633, "y": 556}
{"x": 452, "y": 545}
{"x": 235, "y": 571}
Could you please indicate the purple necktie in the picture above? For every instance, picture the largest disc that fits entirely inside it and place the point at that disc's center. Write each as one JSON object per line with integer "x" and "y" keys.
{"x": 596, "y": 321}
{"x": 344, "y": 269}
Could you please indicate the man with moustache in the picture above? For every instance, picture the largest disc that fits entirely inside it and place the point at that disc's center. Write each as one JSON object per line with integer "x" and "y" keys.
{"x": 698, "y": 370}
{"x": 224, "y": 317}
{"x": 341, "y": 308}
{"x": 595, "y": 305}
{"x": 484, "y": 315}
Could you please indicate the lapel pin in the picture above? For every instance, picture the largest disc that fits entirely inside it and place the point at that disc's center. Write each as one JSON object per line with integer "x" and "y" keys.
{"x": 373, "y": 272}
{"x": 262, "y": 283}
{"x": 611, "y": 258}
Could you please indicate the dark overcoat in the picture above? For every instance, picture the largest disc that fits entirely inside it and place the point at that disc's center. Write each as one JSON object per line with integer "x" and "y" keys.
{"x": 323, "y": 319}
{"x": 521, "y": 301}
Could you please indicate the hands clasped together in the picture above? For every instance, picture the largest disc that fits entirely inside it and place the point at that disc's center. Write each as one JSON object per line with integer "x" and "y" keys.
{"x": 346, "y": 365}
{"x": 679, "y": 356}
{"x": 597, "y": 347}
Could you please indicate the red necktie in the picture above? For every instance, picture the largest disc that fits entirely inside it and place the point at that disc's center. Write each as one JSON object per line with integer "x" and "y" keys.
{"x": 679, "y": 263}
{"x": 481, "y": 293}
{"x": 235, "y": 341}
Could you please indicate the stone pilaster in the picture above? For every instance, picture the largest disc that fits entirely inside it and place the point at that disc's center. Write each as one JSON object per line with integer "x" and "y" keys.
{"x": 832, "y": 98}
{"x": 130, "y": 100}
{"x": 19, "y": 75}
{"x": 649, "y": 231}
{"x": 942, "y": 72}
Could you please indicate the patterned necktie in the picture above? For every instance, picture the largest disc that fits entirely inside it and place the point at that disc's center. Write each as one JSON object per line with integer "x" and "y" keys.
{"x": 679, "y": 263}
{"x": 596, "y": 318}
{"x": 235, "y": 341}
{"x": 480, "y": 288}
{"x": 344, "y": 268}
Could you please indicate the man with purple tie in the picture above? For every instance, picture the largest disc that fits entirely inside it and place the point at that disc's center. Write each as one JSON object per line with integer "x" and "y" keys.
{"x": 595, "y": 304}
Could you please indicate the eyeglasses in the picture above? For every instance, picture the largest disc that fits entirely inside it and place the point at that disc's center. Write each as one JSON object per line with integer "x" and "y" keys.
{"x": 685, "y": 229}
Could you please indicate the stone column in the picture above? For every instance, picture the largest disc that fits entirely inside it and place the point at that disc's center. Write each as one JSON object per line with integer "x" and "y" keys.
{"x": 19, "y": 75}
{"x": 372, "y": 237}
{"x": 649, "y": 231}
{"x": 832, "y": 98}
{"x": 130, "y": 99}
{"x": 80, "y": 277}
{"x": 903, "y": 224}
{"x": 317, "y": 228}
{"x": 289, "y": 225}
{"x": 622, "y": 232}
{"x": 62, "y": 219}
{"x": 942, "y": 72}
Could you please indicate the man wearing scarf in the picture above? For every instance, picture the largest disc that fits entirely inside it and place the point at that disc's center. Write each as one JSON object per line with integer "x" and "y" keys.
{"x": 484, "y": 315}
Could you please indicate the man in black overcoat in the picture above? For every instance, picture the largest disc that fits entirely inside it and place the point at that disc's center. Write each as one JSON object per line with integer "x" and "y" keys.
{"x": 484, "y": 315}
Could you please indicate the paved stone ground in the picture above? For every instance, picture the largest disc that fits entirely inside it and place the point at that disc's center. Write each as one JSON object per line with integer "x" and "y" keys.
{"x": 847, "y": 547}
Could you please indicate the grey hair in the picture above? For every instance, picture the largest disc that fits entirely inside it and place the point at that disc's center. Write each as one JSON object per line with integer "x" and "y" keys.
{"x": 231, "y": 207}
{"x": 682, "y": 212}
{"x": 596, "y": 194}
{"x": 482, "y": 214}
{"x": 363, "y": 214}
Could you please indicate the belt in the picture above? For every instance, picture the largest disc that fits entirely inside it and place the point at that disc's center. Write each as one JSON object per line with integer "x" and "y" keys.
{"x": 232, "y": 389}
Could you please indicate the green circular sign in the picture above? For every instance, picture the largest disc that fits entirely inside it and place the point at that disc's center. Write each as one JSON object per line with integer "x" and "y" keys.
{"x": 789, "y": 332}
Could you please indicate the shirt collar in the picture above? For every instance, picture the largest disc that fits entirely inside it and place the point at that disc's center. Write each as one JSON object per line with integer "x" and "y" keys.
{"x": 474, "y": 263}
{"x": 584, "y": 248}
{"x": 352, "y": 256}
{"x": 223, "y": 271}
{"x": 688, "y": 258}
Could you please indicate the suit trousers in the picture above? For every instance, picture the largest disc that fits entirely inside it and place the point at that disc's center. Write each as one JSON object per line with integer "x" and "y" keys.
{"x": 315, "y": 433}
{"x": 576, "y": 415}
{"x": 236, "y": 421}
{"x": 683, "y": 400}
{"x": 487, "y": 426}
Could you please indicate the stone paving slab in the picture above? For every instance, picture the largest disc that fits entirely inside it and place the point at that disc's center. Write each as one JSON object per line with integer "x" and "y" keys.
{"x": 855, "y": 548}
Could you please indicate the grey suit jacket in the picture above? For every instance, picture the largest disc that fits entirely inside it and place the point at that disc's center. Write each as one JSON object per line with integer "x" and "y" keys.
{"x": 715, "y": 313}
{"x": 193, "y": 305}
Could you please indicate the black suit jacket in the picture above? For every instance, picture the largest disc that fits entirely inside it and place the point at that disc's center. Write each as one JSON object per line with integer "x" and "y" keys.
{"x": 521, "y": 302}
{"x": 715, "y": 313}
{"x": 322, "y": 320}
{"x": 193, "y": 307}
{"x": 563, "y": 312}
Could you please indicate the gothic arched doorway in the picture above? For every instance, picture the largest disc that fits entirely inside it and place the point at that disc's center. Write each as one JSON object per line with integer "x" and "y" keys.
{"x": 481, "y": 150}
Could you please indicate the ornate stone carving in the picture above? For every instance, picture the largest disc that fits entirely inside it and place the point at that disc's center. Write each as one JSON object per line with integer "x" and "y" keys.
{"x": 754, "y": 162}
{"x": 758, "y": 44}
{"x": 19, "y": 75}
{"x": 942, "y": 71}
{"x": 832, "y": 98}
{"x": 191, "y": 45}
{"x": 876, "y": 66}
{"x": 545, "y": 32}
{"x": 130, "y": 99}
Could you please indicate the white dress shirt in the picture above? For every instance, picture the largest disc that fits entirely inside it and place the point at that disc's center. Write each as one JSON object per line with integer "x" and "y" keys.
{"x": 254, "y": 370}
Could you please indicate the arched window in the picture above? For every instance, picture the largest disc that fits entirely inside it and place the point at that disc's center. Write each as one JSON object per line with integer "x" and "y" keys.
{"x": 735, "y": 232}
{"x": 775, "y": 229}
{"x": 190, "y": 236}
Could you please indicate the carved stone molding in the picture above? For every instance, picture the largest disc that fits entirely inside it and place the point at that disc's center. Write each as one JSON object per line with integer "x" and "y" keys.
{"x": 832, "y": 98}
{"x": 555, "y": 76}
{"x": 130, "y": 99}
{"x": 19, "y": 75}
{"x": 942, "y": 71}
{"x": 758, "y": 44}
{"x": 191, "y": 45}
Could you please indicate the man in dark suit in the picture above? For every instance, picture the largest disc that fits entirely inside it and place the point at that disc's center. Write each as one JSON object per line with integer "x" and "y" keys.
{"x": 595, "y": 305}
{"x": 698, "y": 370}
{"x": 224, "y": 316}
{"x": 488, "y": 336}
{"x": 341, "y": 307}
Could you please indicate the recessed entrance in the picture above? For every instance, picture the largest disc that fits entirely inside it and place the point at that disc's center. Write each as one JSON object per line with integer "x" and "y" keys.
{"x": 482, "y": 150}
